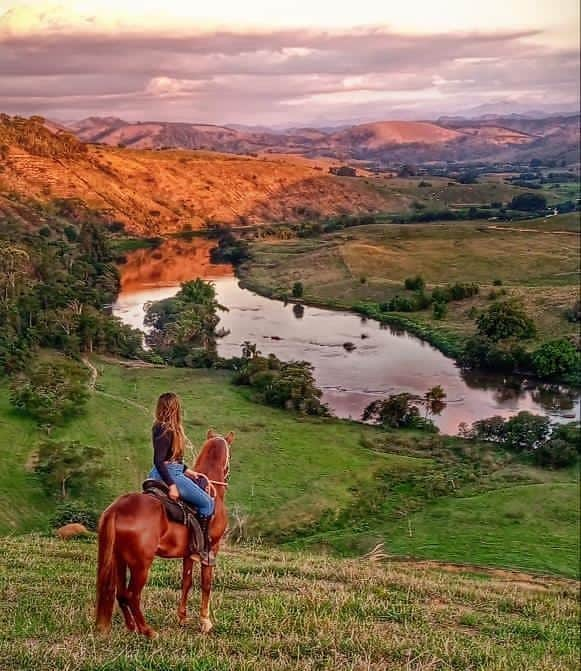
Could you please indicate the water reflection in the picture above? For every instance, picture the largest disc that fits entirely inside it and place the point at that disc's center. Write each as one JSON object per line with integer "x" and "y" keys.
{"x": 385, "y": 360}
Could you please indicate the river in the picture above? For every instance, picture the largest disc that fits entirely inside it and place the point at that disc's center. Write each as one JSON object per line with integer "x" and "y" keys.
{"x": 384, "y": 361}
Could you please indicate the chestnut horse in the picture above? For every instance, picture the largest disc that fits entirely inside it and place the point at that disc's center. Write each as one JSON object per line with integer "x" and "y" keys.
{"x": 135, "y": 528}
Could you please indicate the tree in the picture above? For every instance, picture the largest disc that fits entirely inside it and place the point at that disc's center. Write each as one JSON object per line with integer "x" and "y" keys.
{"x": 528, "y": 202}
{"x": 440, "y": 310}
{"x": 468, "y": 177}
{"x": 435, "y": 400}
{"x": 184, "y": 327}
{"x": 290, "y": 385}
{"x": 555, "y": 357}
{"x": 416, "y": 283}
{"x": 406, "y": 170}
{"x": 491, "y": 429}
{"x": 562, "y": 449}
{"x": 397, "y": 411}
{"x": 298, "y": 290}
{"x": 52, "y": 392}
{"x": 249, "y": 350}
{"x": 525, "y": 432}
{"x": 505, "y": 320}
{"x": 69, "y": 466}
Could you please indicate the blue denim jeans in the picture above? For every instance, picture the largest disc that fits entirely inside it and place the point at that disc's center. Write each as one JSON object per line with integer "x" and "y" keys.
{"x": 189, "y": 490}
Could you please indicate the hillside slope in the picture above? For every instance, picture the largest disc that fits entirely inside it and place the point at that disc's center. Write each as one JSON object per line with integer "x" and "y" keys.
{"x": 165, "y": 192}
{"x": 450, "y": 139}
{"x": 289, "y": 482}
{"x": 277, "y": 612}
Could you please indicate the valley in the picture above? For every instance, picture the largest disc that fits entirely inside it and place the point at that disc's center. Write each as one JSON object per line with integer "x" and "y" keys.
{"x": 536, "y": 262}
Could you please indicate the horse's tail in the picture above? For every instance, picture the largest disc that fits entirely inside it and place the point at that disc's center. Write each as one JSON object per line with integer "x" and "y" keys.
{"x": 106, "y": 571}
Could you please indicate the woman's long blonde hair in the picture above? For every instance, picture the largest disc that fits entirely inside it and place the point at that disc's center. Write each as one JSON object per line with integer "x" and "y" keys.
{"x": 168, "y": 414}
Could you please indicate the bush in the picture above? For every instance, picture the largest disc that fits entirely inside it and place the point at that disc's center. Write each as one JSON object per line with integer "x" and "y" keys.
{"x": 416, "y": 283}
{"x": 505, "y": 320}
{"x": 556, "y": 446}
{"x": 288, "y": 385}
{"x": 440, "y": 310}
{"x": 563, "y": 448}
{"x": 51, "y": 392}
{"x": 400, "y": 304}
{"x": 70, "y": 512}
{"x": 397, "y": 411}
{"x": 66, "y": 467}
{"x": 556, "y": 357}
{"x": 556, "y": 453}
{"x": 468, "y": 177}
{"x": 525, "y": 432}
{"x": 573, "y": 314}
{"x": 455, "y": 292}
{"x": 298, "y": 290}
{"x": 528, "y": 202}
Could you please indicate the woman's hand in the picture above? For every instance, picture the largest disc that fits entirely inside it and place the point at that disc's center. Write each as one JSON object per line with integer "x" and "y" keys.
{"x": 174, "y": 495}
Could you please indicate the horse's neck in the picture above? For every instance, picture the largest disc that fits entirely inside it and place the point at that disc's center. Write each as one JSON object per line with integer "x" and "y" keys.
{"x": 208, "y": 463}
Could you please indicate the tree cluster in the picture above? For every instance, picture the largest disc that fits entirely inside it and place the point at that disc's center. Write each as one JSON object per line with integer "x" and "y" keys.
{"x": 282, "y": 384}
{"x": 183, "y": 328}
{"x": 549, "y": 445}
{"x": 404, "y": 410}
{"x": 52, "y": 294}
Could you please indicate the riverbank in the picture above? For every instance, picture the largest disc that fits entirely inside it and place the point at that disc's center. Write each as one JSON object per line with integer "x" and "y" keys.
{"x": 360, "y": 269}
{"x": 447, "y": 342}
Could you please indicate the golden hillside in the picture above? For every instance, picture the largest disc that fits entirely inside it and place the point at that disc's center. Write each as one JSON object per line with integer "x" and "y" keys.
{"x": 155, "y": 192}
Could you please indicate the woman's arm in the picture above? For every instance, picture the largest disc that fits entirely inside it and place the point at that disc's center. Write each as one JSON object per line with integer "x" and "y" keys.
{"x": 162, "y": 442}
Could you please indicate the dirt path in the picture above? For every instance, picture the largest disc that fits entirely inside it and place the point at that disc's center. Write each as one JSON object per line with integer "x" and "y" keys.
{"x": 512, "y": 229}
{"x": 94, "y": 374}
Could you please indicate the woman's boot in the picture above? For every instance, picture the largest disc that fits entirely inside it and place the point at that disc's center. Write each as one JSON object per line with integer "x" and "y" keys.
{"x": 206, "y": 555}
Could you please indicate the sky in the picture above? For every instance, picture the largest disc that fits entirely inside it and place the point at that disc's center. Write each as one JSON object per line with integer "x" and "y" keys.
{"x": 287, "y": 62}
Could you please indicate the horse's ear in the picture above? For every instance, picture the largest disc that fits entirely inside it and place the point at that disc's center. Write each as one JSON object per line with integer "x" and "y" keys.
{"x": 211, "y": 434}
{"x": 230, "y": 438}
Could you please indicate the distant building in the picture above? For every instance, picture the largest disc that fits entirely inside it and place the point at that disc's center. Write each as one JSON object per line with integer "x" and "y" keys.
{"x": 343, "y": 171}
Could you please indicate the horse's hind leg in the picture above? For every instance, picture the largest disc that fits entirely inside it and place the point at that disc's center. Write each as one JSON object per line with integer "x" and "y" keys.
{"x": 123, "y": 595}
{"x": 139, "y": 574}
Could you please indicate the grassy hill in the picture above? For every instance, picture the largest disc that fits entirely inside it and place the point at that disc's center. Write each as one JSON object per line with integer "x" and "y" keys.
{"x": 320, "y": 483}
{"x": 536, "y": 261}
{"x": 280, "y": 611}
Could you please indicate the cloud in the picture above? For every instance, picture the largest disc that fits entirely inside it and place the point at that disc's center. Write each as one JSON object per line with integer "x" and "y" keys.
{"x": 277, "y": 76}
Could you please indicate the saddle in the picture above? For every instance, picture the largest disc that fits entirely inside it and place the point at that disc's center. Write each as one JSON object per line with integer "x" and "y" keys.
{"x": 178, "y": 511}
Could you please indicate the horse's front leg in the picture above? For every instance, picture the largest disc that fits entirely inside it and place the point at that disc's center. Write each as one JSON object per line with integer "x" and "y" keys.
{"x": 186, "y": 586}
{"x": 206, "y": 578}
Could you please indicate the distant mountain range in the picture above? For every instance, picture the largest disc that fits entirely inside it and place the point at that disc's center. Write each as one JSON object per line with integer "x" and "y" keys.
{"x": 449, "y": 138}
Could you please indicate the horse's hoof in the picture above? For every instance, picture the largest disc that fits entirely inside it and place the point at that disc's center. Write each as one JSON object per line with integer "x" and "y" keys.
{"x": 206, "y": 625}
{"x": 151, "y": 634}
{"x": 184, "y": 621}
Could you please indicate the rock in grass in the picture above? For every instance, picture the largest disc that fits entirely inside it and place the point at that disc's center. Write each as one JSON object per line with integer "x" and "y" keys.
{"x": 73, "y": 530}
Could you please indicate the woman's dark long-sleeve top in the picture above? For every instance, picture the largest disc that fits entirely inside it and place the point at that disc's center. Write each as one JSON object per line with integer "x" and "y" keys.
{"x": 162, "y": 451}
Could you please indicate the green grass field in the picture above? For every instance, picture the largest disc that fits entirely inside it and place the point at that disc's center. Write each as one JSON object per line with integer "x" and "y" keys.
{"x": 316, "y": 482}
{"x": 539, "y": 266}
{"x": 276, "y": 612}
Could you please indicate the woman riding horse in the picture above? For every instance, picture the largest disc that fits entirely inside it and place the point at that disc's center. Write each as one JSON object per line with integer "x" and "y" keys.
{"x": 135, "y": 528}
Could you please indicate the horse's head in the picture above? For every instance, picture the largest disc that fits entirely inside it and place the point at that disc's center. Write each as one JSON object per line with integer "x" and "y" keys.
{"x": 214, "y": 459}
